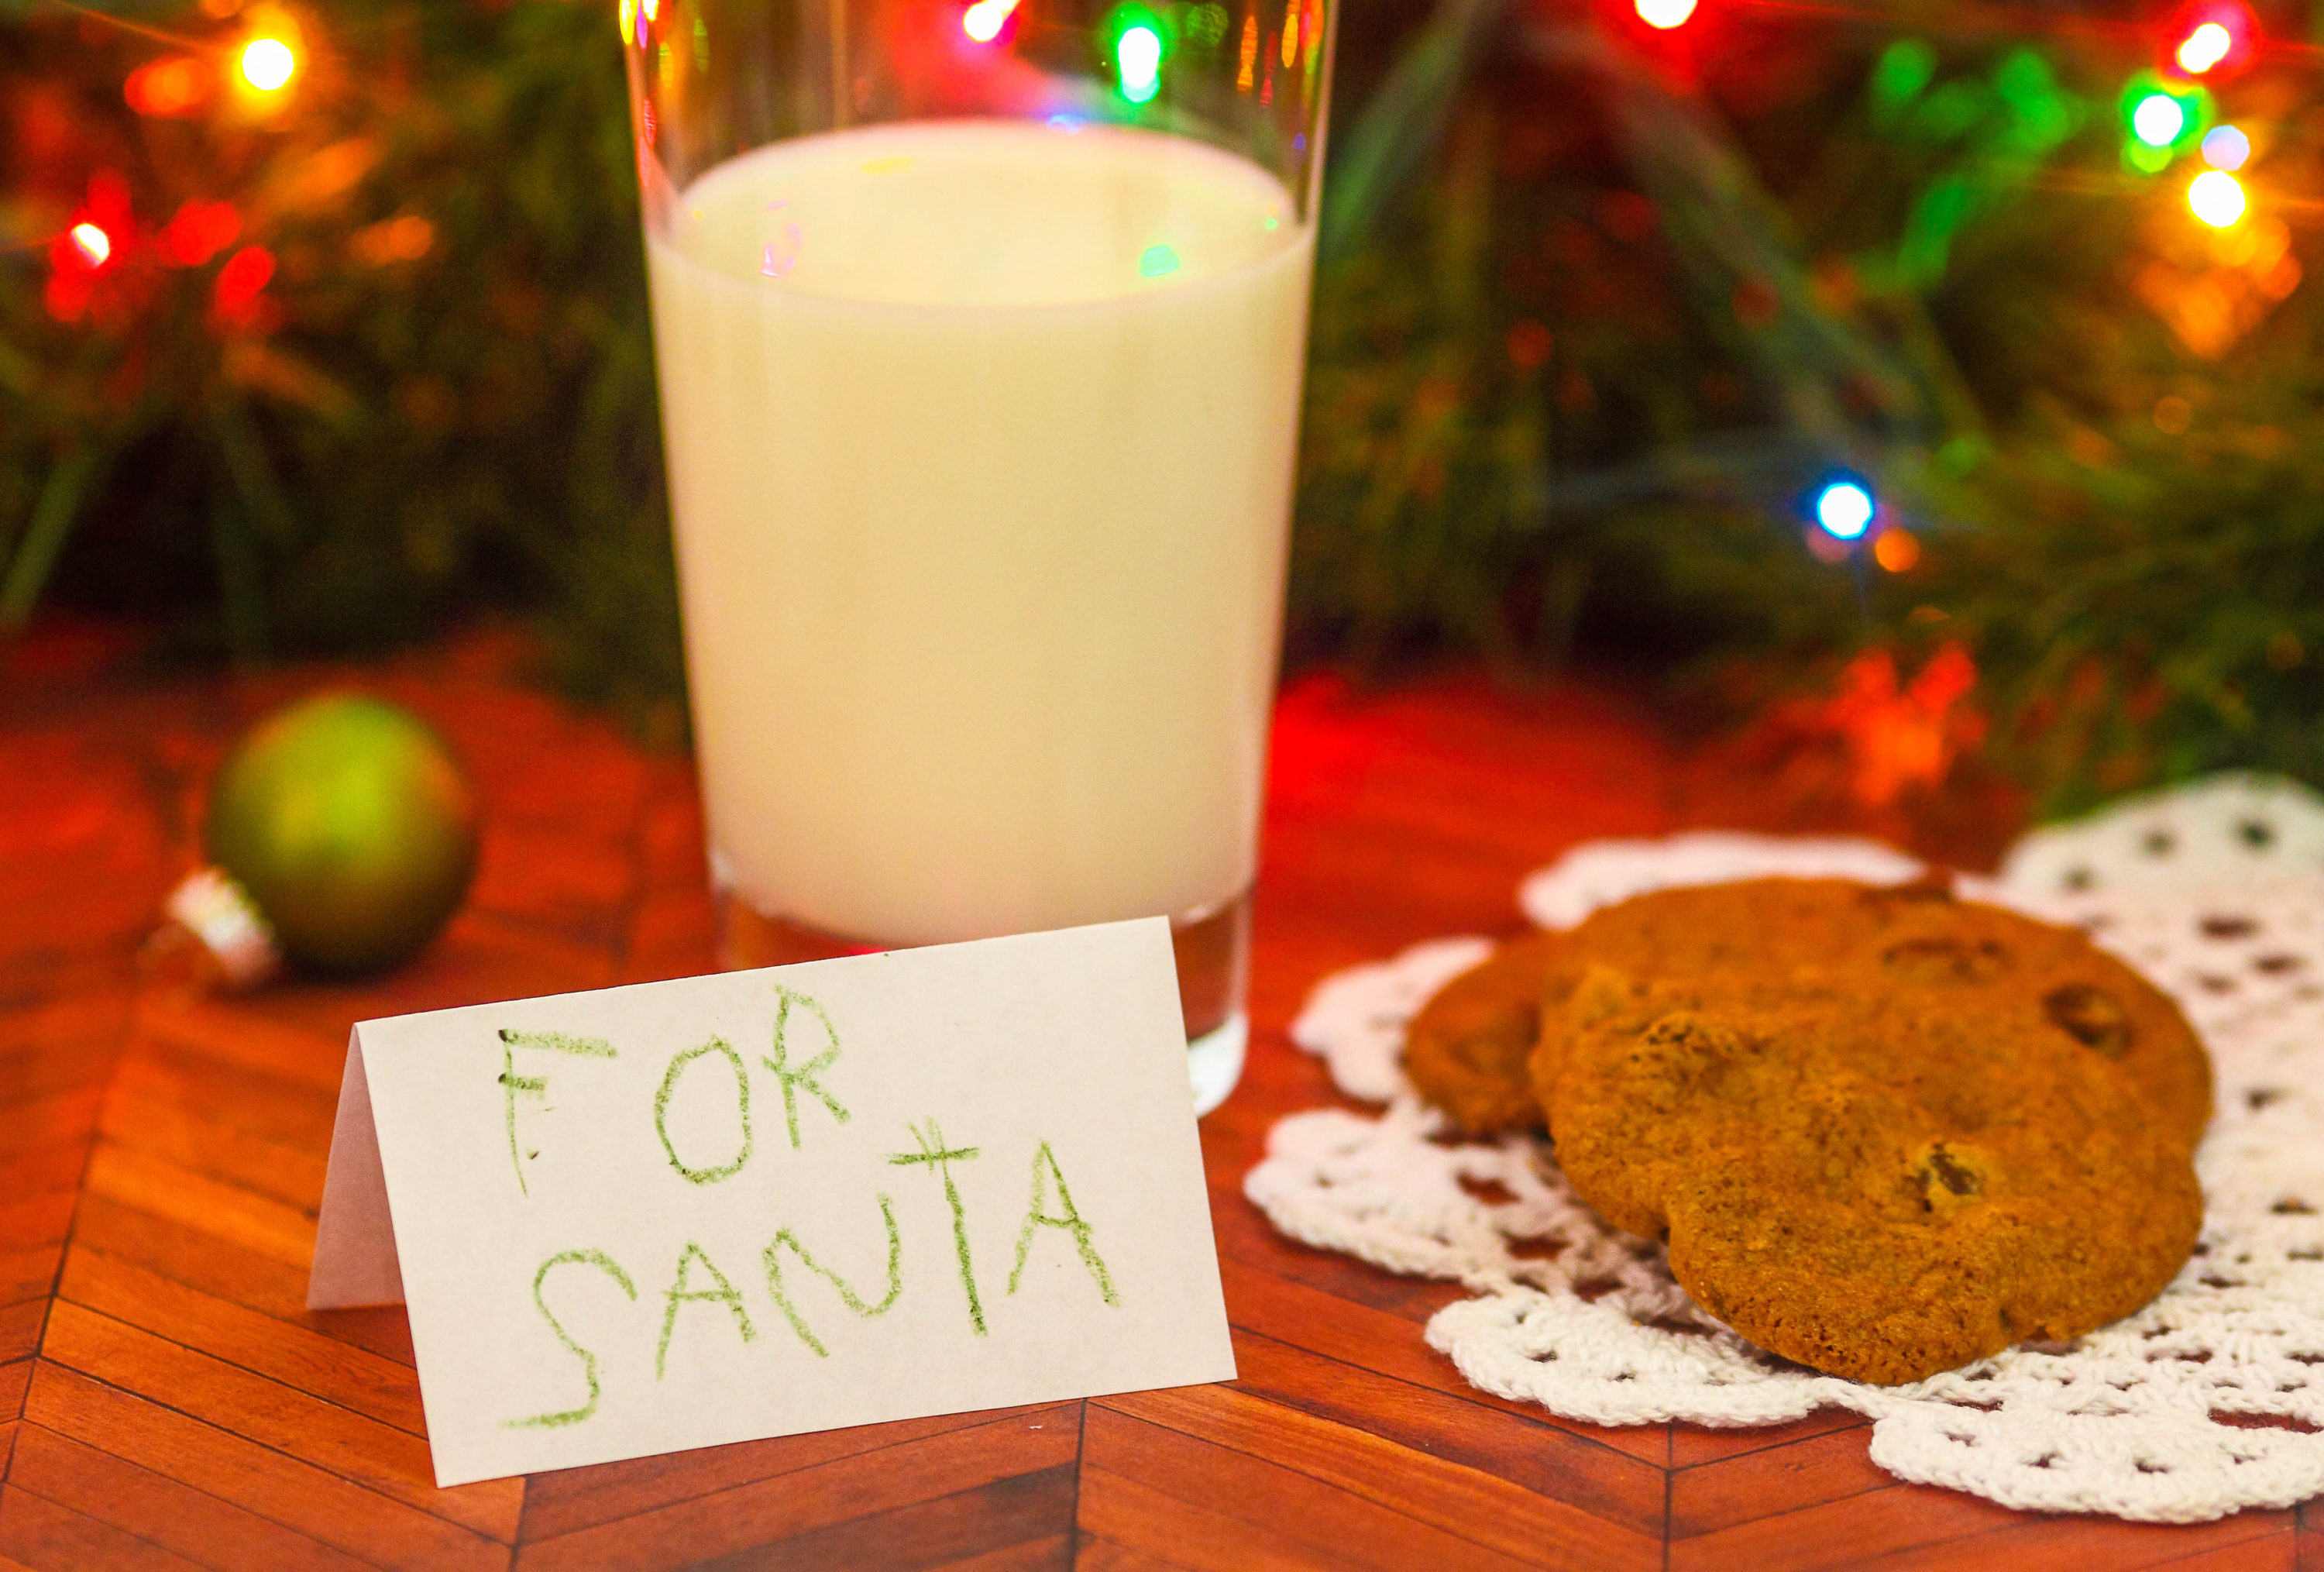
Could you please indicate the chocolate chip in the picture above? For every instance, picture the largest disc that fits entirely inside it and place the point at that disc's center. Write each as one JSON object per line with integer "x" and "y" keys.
{"x": 1947, "y": 960}
{"x": 1944, "y": 1177}
{"x": 2091, "y": 1016}
{"x": 1954, "y": 1174}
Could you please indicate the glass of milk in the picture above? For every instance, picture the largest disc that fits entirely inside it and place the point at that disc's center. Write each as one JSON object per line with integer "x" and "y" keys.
{"x": 980, "y": 330}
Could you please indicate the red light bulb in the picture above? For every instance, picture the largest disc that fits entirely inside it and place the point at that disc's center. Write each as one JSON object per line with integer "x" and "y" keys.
{"x": 1665, "y": 14}
{"x": 2209, "y": 40}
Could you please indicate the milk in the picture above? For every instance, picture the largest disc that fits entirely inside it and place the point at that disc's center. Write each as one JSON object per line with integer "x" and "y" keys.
{"x": 979, "y": 439}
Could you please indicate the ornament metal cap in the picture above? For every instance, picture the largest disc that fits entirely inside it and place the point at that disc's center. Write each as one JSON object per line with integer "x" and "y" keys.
{"x": 217, "y": 911}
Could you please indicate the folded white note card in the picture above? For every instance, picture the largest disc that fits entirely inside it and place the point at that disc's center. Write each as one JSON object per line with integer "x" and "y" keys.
{"x": 758, "y": 1203}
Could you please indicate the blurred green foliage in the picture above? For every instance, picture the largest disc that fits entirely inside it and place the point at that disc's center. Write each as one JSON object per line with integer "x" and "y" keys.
{"x": 1620, "y": 304}
{"x": 407, "y": 425}
{"x": 1596, "y": 309}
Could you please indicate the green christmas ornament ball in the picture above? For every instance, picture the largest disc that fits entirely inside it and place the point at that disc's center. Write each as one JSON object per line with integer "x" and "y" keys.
{"x": 350, "y": 826}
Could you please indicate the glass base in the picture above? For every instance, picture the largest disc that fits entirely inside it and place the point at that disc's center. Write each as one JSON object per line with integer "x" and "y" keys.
{"x": 1212, "y": 946}
{"x": 1214, "y": 1062}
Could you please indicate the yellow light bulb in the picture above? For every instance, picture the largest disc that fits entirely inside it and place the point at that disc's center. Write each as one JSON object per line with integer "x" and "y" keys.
{"x": 2216, "y": 198}
{"x": 985, "y": 20}
{"x": 92, "y": 243}
{"x": 267, "y": 63}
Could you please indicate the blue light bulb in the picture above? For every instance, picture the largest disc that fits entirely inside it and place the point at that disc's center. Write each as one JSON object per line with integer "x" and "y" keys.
{"x": 1844, "y": 509}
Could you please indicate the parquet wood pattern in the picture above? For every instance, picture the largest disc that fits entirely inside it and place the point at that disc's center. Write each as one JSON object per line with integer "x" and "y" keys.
{"x": 167, "y": 1402}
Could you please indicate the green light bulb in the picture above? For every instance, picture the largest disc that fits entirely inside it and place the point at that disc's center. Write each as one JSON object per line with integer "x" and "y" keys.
{"x": 2158, "y": 119}
{"x": 1138, "y": 53}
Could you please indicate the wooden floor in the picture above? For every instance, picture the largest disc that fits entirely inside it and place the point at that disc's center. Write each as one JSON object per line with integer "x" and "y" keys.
{"x": 165, "y": 1402}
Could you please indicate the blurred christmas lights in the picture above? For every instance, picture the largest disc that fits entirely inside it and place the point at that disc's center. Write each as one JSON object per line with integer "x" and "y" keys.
{"x": 1843, "y": 509}
{"x": 267, "y": 64}
{"x": 1137, "y": 57}
{"x": 1896, "y": 550}
{"x": 984, "y": 21}
{"x": 2225, "y": 147}
{"x": 176, "y": 86}
{"x": 199, "y": 231}
{"x": 2212, "y": 39}
{"x": 235, "y": 292}
{"x": 100, "y": 236}
{"x": 407, "y": 237}
{"x": 2158, "y": 119}
{"x": 94, "y": 245}
{"x": 2164, "y": 119}
{"x": 2163, "y": 111}
{"x": 1665, "y": 13}
{"x": 2205, "y": 47}
{"x": 2216, "y": 198}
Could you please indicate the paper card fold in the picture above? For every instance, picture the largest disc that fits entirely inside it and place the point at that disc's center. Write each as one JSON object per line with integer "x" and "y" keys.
{"x": 355, "y": 1239}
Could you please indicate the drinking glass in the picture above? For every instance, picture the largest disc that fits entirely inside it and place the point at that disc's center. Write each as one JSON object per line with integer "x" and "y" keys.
{"x": 980, "y": 330}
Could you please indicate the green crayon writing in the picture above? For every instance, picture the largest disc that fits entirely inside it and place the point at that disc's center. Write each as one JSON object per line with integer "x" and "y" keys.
{"x": 933, "y": 1152}
{"x": 847, "y": 1295}
{"x": 678, "y": 1293}
{"x": 705, "y": 1176}
{"x": 794, "y": 1080}
{"x": 513, "y": 1086}
{"x": 604, "y": 1264}
{"x": 1047, "y": 1172}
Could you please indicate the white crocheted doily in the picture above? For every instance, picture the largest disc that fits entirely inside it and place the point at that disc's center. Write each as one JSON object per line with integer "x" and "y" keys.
{"x": 2207, "y": 1401}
